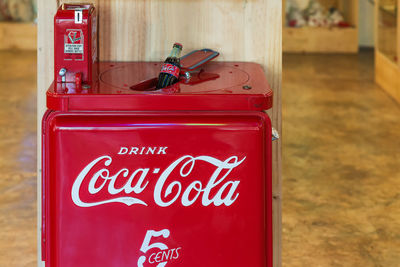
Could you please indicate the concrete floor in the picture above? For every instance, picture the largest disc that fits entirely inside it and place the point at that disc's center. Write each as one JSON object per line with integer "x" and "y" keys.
{"x": 341, "y": 164}
{"x": 17, "y": 159}
{"x": 341, "y": 187}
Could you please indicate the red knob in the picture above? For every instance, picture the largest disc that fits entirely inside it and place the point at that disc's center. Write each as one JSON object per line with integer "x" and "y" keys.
{"x": 78, "y": 80}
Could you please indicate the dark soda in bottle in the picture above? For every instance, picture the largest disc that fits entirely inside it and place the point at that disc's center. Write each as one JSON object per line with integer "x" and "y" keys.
{"x": 171, "y": 68}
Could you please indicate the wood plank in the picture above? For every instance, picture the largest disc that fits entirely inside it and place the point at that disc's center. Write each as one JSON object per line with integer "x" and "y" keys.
{"x": 387, "y": 70}
{"x": 320, "y": 40}
{"x": 387, "y": 75}
{"x": 398, "y": 35}
{"x": 350, "y": 11}
{"x": 15, "y": 35}
{"x": 330, "y": 3}
{"x": 45, "y": 51}
{"x": 145, "y": 30}
{"x": 376, "y": 19}
{"x": 386, "y": 34}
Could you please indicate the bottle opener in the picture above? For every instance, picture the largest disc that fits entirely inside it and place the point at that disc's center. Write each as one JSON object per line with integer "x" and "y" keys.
{"x": 189, "y": 63}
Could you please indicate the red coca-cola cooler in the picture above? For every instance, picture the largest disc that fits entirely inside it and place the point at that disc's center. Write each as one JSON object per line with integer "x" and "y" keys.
{"x": 138, "y": 177}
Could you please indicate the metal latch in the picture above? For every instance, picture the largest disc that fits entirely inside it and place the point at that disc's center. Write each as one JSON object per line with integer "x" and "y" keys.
{"x": 62, "y": 73}
{"x": 275, "y": 134}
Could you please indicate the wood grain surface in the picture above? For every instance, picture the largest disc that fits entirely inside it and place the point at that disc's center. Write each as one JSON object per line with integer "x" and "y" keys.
{"x": 132, "y": 30}
{"x": 320, "y": 40}
{"x": 387, "y": 75}
{"x": 18, "y": 35}
{"x": 387, "y": 48}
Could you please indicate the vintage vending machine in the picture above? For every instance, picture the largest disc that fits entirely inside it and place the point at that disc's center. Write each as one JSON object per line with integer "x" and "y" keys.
{"x": 135, "y": 177}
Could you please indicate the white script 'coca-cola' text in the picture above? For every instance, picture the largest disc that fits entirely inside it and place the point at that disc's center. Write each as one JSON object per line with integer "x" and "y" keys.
{"x": 217, "y": 189}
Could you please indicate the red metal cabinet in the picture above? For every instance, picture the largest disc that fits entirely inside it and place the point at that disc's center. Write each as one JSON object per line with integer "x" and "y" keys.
{"x": 139, "y": 179}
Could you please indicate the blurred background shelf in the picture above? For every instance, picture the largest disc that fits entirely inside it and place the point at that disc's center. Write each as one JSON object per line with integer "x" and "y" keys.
{"x": 324, "y": 39}
{"x": 18, "y": 35}
{"x": 387, "y": 45}
{"x": 388, "y": 9}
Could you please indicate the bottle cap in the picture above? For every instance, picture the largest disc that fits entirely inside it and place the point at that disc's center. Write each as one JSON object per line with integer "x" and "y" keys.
{"x": 179, "y": 45}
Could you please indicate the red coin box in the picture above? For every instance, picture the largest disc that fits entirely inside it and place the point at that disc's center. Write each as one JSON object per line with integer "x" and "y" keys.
{"x": 75, "y": 43}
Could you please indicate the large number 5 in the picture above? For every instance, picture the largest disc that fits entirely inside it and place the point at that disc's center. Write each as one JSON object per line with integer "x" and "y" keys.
{"x": 146, "y": 246}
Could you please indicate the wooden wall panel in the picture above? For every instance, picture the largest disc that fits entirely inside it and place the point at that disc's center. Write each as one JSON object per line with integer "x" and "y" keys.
{"x": 243, "y": 30}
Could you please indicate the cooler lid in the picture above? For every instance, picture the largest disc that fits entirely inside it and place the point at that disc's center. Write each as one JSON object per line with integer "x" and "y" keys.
{"x": 124, "y": 86}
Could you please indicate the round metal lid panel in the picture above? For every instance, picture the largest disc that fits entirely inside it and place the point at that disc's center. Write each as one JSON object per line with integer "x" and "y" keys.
{"x": 213, "y": 77}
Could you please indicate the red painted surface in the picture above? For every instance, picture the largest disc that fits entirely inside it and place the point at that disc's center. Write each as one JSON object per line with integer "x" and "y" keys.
{"x": 82, "y": 37}
{"x": 168, "y": 178}
{"x": 217, "y": 86}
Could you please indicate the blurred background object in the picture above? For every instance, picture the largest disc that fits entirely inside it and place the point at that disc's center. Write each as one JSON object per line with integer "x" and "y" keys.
{"x": 18, "y": 10}
{"x": 323, "y": 26}
{"x": 18, "y": 24}
{"x": 314, "y": 14}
